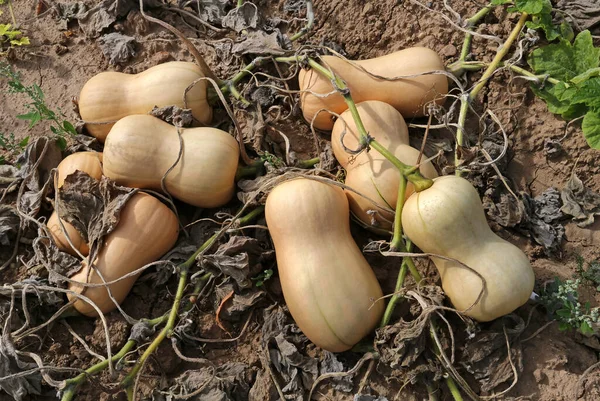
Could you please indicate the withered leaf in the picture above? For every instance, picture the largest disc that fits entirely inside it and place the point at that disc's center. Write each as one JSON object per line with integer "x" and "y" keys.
{"x": 486, "y": 355}
{"x": 241, "y": 18}
{"x": 365, "y": 397}
{"x": 580, "y": 202}
{"x": 403, "y": 344}
{"x": 501, "y": 206}
{"x": 543, "y": 214}
{"x": 57, "y": 263}
{"x": 95, "y": 20}
{"x": 211, "y": 10}
{"x": 240, "y": 258}
{"x": 227, "y": 382}
{"x": 238, "y": 304}
{"x": 283, "y": 341}
{"x": 18, "y": 387}
{"x": 40, "y": 156}
{"x": 259, "y": 43}
{"x": 331, "y": 364}
{"x": 117, "y": 48}
{"x": 299, "y": 371}
{"x": 585, "y": 13}
{"x": 9, "y": 224}
{"x": 174, "y": 115}
{"x": 84, "y": 143}
{"x": 92, "y": 206}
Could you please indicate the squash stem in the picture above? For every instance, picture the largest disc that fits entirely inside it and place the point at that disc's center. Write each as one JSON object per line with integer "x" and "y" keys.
{"x": 254, "y": 170}
{"x": 397, "y": 241}
{"x": 239, "y": 3}
{"x": 467, "y": 100}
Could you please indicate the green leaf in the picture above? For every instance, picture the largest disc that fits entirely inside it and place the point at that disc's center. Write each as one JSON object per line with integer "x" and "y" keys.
{"x": 69, "y": 128}
{"x": 545, "y": 22}
{"x": 591, "y": 128}
{"x": 20, "y": 42}
{"x": 587, "y": 93}
{"x": 565, "y": 61}
{"x": 557, "y": 100}
{"x": 2, "y": 160}
{"x": 24, "y": 142}
{"x": 4, "y": 28}
{"x": 34, "y": 117}
{"x": 532, "y": 6}
{"x": 564, "y": 312}
{"x": 61, "y": 142}
{"x": 586, "y": 55}
{"x": 562, "y": 326}
{"x": 591, "y": 73}
{"x": 586, "y": 329}
{"x": 500, "y": 2}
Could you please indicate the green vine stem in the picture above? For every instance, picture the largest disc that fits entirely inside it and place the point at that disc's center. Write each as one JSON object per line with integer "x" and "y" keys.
{"x": 471, "y": 22}
{"x": 431, "y": 391}
{"x": 310, "y": 16}
{"x": 310, "y": 163}
{"x": 239, "y": 3}
{"x": 453, "y": 388}
{"x": 387, "y": 315}
{"x": 467, "y": 100}
{"x": 167, "y": 331}
{"x": 71, "y": 385}
{"x": 476, "y": 66}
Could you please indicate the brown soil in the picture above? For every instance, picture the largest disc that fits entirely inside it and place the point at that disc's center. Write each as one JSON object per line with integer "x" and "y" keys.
{"x": 553, "y": 360}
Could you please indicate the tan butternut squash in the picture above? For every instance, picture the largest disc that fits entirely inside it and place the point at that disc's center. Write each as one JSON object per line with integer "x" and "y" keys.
{"x": 370, "y": 173}
{"x": 147, "y": 229}
{"x": 408, "y": 95}
{"x": 140, "y": 149}
{"x": 328, "y": 285}
{"x": 448, "y": 220}
{"x": 90, "y": 163}
{"x": 110, "y": 96}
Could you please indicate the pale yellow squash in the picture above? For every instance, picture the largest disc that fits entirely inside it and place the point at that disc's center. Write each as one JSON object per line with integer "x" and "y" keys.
{"x": 408, "y": 95}
{"x": 370, "y": 173}
{"x": 140, "y": 149}
{"x": 448, "y": 220}
{"x": 110, "y": 96}
{"x": 329, "y": 287}
{"x": 147, "y": 229}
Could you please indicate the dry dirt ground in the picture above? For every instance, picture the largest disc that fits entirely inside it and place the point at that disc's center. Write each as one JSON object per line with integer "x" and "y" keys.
{"x": 61, "y": 61}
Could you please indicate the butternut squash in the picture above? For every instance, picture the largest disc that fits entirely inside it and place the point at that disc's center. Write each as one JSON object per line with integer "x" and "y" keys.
{"x": 140, "y": 149}
{"x": 90, "y": 163}
{"x": 110, "y": 96}
{"x": 370, "y": 173}
{"x": 328, "y": 285}
{"x": 407, "y": 95}
{"x": 448, "y": 220}
{"x": 147, "y": 229}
